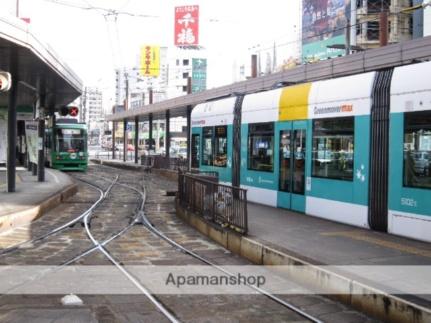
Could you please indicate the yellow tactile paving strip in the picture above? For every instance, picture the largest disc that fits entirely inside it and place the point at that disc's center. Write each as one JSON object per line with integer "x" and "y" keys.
{"x": 357, "y": 235}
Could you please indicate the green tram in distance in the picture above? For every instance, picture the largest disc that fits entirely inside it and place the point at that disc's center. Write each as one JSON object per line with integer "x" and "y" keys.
{"x": 66, "y": 145}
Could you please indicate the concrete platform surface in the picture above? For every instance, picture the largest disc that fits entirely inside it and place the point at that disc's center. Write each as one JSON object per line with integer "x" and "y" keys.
{"x": 329, "y": 243}
{"x": 31, "y": 198}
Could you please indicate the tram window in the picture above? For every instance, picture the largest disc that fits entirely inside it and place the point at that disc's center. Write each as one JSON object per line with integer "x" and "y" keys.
{"x": 207, "y": 146}
{"x": 333, "y": 142}
{"x": 220, "y": 147}
{"x": 417, "y": 149}
{"x": 195, "y": 151}
{"x": 261, "y": 146}
{"x": 70, "y": 140}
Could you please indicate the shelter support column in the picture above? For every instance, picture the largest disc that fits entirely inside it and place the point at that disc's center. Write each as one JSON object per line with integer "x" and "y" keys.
{"x": 11, "y": 122}
{"x": 41, "y": 136}
{"x": 136, "y": 139}
{"x": 113, "y": 139}
{"x": 167, "y": 134}
{"x": 150, "y": 132}
{"x": 124, "y": 140}
{"x": 189, "y": 135}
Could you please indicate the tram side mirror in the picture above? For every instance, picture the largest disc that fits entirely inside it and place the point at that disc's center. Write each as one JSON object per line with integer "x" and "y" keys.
{"x": 5, "y": 81}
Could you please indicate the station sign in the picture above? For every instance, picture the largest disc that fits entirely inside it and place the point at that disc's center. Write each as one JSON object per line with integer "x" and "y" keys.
{"x": 5, "y": 81}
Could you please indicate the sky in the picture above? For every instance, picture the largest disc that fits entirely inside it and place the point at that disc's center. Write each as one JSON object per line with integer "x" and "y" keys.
{"x": 94, "y": 44}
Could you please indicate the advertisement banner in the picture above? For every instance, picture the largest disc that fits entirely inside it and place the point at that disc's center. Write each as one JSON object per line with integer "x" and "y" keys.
{"x": 31, "y": 136}
{"x": 3, "y": 135}
{"x": 199, "y": 74}
{"x": 324, "y": 23}
{"x": 150, "y": 60}
{"x": 186, "y": 26}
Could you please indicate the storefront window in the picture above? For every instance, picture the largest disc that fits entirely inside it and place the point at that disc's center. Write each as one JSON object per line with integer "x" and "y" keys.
{"x": 261, "y": 147}
{"x": 220, "y": 146}
{"x": 417, "y": 149}
{"x": 333, "y": 143}
{"x": 207, "y": 147}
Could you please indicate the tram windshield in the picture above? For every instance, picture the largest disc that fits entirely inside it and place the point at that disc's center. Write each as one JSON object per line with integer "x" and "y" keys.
{"x": 70, "y": 140}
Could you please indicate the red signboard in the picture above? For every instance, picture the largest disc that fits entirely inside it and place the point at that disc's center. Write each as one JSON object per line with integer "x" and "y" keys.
{"x": 187, "y": 26}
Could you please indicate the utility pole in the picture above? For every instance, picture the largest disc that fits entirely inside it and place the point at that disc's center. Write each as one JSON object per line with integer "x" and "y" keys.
{"x": 126, "y": 101}
{"x": 348, "y": 37}
{"x": 383, "y": 32}
{"x": 17, "y": 8}
{"x": 253, "y": 65}
{"x": 84, "y": 104}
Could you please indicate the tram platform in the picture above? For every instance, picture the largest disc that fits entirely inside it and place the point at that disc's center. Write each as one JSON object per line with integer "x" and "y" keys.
{"x": 326, "y": 242}
{"x": 288, "y": 237}
{"x": 32, "y": 198}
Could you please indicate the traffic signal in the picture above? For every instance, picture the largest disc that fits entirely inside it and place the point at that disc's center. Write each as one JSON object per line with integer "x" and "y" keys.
{"x": 64, "y": 111}
{"x": 5, "y": 81}
{"x": 71, "y": 111}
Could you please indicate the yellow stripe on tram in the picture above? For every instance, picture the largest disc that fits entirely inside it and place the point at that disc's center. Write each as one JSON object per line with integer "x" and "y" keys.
{"x": 293, "y": 103}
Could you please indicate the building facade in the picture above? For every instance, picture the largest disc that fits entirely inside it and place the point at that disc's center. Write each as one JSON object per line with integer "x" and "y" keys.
{"x": 400, "y": 22}
{"x": 330, "y": 27}
{"x": 132, "y": 88}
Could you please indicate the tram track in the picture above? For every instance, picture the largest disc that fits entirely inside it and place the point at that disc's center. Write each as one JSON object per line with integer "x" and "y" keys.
{"x": 101, "y": 242}
{"x": 60, "y": 228}
{"x": 153, "y": 229}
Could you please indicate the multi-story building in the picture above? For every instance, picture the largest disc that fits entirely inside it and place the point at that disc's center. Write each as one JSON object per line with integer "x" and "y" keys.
{"x": 328, "y": 27}
{"x": 132, "y": 84}
{"x": 91, "y": 105}
{"x": 400, "y": 23}
{"x": 426, "y": 23}
{"x": 91, "y": 112}
{"x": 185, "y": 63}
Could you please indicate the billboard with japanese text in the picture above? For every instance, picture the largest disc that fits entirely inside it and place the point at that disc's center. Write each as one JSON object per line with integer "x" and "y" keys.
{"x": 324, "y": 23}
{"x": 186, "y": 26}
{"x": 150, "y": 61}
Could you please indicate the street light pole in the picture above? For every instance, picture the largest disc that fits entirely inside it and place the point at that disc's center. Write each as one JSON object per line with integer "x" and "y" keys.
{"x": 17, "y": 8}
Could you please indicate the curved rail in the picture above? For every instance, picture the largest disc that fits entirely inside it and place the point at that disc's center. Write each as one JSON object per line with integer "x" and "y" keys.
{"x": 102, "y": 196}
{"x": 100, "y": 246}
{"x": 151, "y": 228}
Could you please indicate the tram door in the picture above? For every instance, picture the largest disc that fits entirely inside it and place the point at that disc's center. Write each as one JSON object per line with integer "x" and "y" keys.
{"x": 292, "y": 163}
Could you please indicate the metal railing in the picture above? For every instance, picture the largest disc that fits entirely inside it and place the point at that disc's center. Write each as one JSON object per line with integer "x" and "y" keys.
{"x": 161, "y": 162}
{"x": 107, "y": 154}
{"x": 221, "y": 204}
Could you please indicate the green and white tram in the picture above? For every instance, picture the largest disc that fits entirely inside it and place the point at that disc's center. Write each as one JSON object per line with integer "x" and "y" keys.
{"x": 66, "y": 145}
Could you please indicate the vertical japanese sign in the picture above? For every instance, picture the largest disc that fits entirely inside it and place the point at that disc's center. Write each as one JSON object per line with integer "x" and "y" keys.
{"x": 150, "y": 60}
{"x": 199, "y": 74}
{"x": 31, "y": 135}
{"x": 187, "y": 26}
